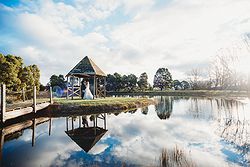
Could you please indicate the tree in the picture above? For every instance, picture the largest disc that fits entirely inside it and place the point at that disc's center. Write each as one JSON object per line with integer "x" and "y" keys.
{"x": 124, "y": 82}
{"x": 143, "y": 81}
{"x": 131, "y": 82}
{"x": 15, "y": 76}
{"x": 117, "y": 81}
{"x": 27, "y": 80}
{"x": 164, "y": 107}
{"x": 36, "y": 75}
{"x": 9, "y": 68}
{"x": 185, "y": 85}
{"x": 110, "y": 86}
{"x": 177, "y": 85}
{"x": 163, "y": 78}
{"x": 58, "y": 81}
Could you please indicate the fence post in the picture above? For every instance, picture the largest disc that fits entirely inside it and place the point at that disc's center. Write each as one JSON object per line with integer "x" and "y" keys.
{"x": 3, "y": 102}
{"x": 51, "y": 96}
{"x": 23, "y": 92}
{"x": 34, "y": 99}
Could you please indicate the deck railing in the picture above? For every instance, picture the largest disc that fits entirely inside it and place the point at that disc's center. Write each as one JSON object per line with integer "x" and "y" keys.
{"x": 6, "y": 113}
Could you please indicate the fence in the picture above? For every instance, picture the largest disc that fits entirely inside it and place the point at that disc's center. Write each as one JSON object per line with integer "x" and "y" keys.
{"x": 14, "y": 110}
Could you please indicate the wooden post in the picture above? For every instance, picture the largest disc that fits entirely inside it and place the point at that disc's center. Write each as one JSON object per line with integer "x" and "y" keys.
{"x": 79, "y": 121}
{"x": 94, "y": 87}
{"x": 72, "y": 123}
{"x": 94, "y": 124}
{"x": 72, "y": 95}
{"x": 23, "y": 92}
{"x": 34, "y": 99}
{"x": 80, "y": 88}
{"x": 67, "y": 97}
{"x": 105, "y": 123}
{"x": 33, "y": 132}
{"x": 51, "y": 96}
{"x": 105, "y": 83}
{"x": 3, "y": 102}
{"x": 50, "y": 124}
{"x": 2, "y": 135}
{"x": 67, "y": 124}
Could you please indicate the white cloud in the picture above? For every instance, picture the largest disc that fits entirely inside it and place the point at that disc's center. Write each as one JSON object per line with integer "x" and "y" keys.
{"x": 180, "y": 35}
{"x": 185, "y": 32}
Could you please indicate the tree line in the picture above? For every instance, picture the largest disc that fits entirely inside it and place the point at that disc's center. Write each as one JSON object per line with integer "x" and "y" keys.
{"x": 16, "y": 76}
{"x": 131, "y": 83}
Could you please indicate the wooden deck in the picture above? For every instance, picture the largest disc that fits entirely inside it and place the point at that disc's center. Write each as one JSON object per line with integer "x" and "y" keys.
{"x": 22, "y": 125}
{"x": 24, "y": 111}
{"x": 11, "y": 111}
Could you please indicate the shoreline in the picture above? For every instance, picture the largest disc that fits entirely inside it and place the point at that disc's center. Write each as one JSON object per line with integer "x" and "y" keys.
{"x": 63, "y": 107}
{"x": 197, "y": 93}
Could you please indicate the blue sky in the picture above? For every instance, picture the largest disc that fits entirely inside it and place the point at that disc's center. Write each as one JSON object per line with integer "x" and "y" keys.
{"x": 125, "y": 36}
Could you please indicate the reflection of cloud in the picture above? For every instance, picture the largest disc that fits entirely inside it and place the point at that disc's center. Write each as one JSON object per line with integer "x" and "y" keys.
{"x": 144, "y": 146}
{"x": 98, "y": 148}
{"x": 138, "y": 138}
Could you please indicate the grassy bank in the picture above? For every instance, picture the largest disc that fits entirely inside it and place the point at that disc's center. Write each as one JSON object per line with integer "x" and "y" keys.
{"x": 202, "y": 93}
{"x": 62, "y": 107}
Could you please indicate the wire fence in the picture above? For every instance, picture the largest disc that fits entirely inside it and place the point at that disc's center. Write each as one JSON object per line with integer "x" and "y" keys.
{"x": 26, "y": 95}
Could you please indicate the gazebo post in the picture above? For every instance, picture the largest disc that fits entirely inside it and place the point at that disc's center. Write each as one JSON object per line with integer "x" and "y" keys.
{"x": 94, "y": 89}
{"x": 105, "y": 83}
{"x": 72, "y": 82}
{"x": 80, "y": 84}
{"x": 67, "y": 88}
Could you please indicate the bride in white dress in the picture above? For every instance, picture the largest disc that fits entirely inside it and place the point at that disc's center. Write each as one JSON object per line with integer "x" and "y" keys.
{"x": 88, "y": 95}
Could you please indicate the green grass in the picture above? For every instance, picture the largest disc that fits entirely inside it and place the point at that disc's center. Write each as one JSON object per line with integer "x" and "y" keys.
{"x": 101, "y": 101}
{"x": 62, "y": 107}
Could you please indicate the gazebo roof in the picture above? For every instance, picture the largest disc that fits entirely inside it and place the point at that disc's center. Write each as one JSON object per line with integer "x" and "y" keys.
{"x": 86, "y": 67}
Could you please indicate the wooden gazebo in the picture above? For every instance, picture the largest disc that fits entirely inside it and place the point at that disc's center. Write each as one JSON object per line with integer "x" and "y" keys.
{"x": 86, "y": 70}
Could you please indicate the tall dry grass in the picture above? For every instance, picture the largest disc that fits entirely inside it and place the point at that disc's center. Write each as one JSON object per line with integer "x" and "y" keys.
{"x": 175, "y": 158}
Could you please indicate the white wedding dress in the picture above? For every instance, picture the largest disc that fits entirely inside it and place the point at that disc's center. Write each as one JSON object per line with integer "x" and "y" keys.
{"x": 88, "y": 95}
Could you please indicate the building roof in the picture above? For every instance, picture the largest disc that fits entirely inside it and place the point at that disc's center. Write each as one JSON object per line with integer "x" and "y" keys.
{"x": 86, "y": 67}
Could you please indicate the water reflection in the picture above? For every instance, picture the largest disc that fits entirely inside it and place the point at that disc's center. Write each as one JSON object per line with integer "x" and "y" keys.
{"x": 214, "y": 131}
{"x": 88, "y": 135}
{"x": 144, "y": 110}
{"x": 14, "y": 131}
{"x": 164, "y": 107}
{"x": 232, "y": 125}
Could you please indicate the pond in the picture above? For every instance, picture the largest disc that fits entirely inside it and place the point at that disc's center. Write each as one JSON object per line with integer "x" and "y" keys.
{"x": 210, "y": 131}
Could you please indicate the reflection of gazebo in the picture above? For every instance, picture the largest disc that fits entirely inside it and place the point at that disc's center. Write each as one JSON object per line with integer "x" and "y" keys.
{"x": 86, "y": 137}
{"x": 86, "y": 69}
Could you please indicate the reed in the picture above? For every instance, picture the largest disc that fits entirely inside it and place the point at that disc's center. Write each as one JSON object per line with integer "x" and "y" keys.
{"x": 175, "y": 158}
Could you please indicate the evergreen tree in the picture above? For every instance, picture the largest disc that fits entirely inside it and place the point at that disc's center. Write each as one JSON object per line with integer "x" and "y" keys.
{"x": 177, "y": 85}
{"x": 131, "y": 82}
{"x": 26, "y": 77}
{"x": 36, "y": 76}
{"x": 9, "y": 68}
{"x": 58, "y": 81}
{"x": 143, "y": 81}
{"x": 15, "y": 76}
{"x": 185, "y": 85}
{"x": 163, "y": 78}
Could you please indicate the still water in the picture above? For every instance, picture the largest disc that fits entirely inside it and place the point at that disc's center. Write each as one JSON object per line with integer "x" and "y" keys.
{"x": 211, "y": 131}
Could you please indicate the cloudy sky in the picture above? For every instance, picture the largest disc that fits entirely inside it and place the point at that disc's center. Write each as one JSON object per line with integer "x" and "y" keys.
{"x": 125, "y": 36}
